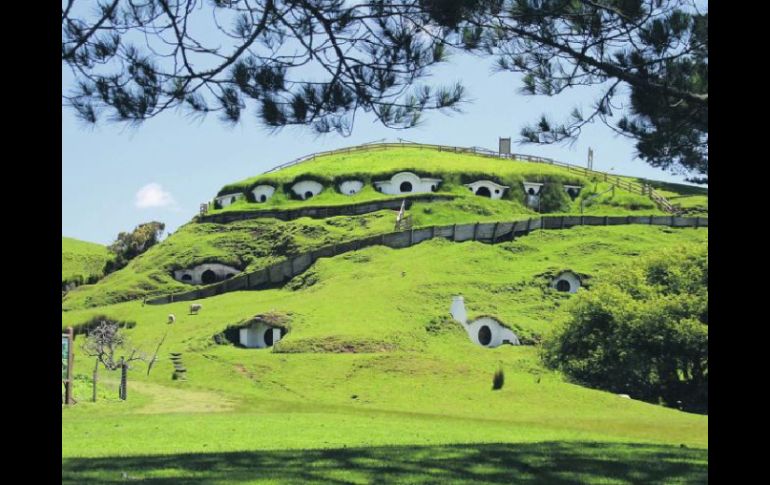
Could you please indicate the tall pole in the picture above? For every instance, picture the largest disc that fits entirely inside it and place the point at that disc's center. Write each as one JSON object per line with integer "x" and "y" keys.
{"x": 68, "y": 385}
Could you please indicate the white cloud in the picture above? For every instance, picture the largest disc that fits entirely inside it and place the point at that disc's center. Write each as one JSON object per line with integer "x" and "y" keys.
{"x": 153, "y": 195}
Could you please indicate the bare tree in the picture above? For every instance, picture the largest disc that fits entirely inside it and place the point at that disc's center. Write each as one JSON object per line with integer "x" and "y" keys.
{"x": 102, "y": 343}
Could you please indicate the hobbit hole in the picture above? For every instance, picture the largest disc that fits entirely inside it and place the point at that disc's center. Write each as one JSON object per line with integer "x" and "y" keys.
{"x": 483, "y": 192}
{"x": 208, "y": 277}
{"x": 567, "y": 282}
{"x": 405, "y": 187}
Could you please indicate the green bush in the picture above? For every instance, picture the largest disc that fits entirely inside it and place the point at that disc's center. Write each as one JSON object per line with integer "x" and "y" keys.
{"x": 642, "y": 331}
{"x": 553, "y": 198}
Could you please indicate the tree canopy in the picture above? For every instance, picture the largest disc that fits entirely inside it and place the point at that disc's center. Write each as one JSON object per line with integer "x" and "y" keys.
{"x": 319, "y": 62}
{"x": 129, "y": 245}
{"x": 642, "y": 331}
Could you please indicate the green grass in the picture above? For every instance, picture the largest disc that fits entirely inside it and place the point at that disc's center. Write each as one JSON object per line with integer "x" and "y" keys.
{"x": 374, "y": 381}
{"x": 82, "y": 261}
{"x": 373, "y": 370}
{"x": 551, "y": 463}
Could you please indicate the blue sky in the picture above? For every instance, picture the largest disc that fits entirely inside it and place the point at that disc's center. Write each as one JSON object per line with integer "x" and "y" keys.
{"x": 115, "y": 177}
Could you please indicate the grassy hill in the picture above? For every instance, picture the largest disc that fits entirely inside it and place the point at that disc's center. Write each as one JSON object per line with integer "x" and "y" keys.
{"x": 81, "y": 261}
{"x": 374, "y": 380}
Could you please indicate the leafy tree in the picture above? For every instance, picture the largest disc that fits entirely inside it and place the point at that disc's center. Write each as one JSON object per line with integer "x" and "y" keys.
{"x": 642, "y": 331}
{"x": 553, "y": 198}
{"x": 129, "y": 245}
{"x": 318, "y": 62}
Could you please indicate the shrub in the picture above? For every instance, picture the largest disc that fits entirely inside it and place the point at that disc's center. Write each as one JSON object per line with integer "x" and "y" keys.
{"x": 553, "y": 198}
{"x": 642, "y": 331}
{"x": 498, "y": 380}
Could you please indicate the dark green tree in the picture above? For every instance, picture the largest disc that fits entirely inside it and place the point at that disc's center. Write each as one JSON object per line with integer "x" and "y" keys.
{"x": 642, "y": 331}
{"x": 129, "y": 245}
{"x": 318, "y": 62}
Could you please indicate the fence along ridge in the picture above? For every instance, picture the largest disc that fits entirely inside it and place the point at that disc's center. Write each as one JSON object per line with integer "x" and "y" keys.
{"x": 654, "y": 195}
{"x": 493, "y": 232}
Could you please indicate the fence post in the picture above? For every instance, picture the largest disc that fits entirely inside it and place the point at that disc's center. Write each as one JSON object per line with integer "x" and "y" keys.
{"x": 650, "y": 220}
{"x": 605, "y": 220}
{"x": 697, "y": 222}
{"x": 672, "y": 221}
{"x": 432, "y": 232}
{"x": 561, "y": 223}
{"x": 454, "y": 232}
{"x": 411, "y": 236}
{"x": 582, "y": 223}
{"x": 494, "y": 233}
{"x": 475, "y": 230}
{"x": 529, "y": 225}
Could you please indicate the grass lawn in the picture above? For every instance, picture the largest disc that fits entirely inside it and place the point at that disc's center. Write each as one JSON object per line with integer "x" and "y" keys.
{"x": 374, "y": 382}
{"x": 81, "y": 260}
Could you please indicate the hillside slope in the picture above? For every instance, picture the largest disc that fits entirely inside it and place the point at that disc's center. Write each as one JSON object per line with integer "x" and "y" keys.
{"x": 82, "y": 262}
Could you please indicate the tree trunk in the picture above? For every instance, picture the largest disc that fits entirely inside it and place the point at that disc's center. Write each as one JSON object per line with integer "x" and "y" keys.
{"x": 95, "y": 380}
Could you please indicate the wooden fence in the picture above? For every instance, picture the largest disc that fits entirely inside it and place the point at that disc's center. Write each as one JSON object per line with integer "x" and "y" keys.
{"x": 491, "y": 232}
{"x": 633, "y": 187}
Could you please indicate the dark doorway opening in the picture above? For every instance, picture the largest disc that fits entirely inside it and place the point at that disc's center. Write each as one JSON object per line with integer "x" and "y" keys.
{"x": 485, "y": 335}
{"x": 232, "y": 200}
{"x": 262, "y": 198}
{"x": 186, "y": 277}
{"x": 483, "y": 192}
{"x": 531, "y": 191}
{"x": 563, "y": 285}
{"x": 308, "y": 194}
{"x": 405, "y": 187}
{"x": 208, "y": 277}
{"x": 269, "y": 337}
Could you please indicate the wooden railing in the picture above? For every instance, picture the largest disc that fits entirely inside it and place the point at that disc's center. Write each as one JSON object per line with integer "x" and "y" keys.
{"x": 622, "y": 183}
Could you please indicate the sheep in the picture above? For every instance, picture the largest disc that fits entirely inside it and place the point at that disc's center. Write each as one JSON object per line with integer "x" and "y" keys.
{"x": 171, "y": 318}
{"x": 195, "y": 308}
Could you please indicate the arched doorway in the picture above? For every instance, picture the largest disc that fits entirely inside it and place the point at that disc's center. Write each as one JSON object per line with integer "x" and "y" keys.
{"x": 405, "y": 187}
{"x": 268, "y": 337}
{"x": 563, "y": 285}
{"x": 308, "y": 194}
{"x": 531, "y": 191}
{"x": 186, "y": 277}
{"x": 483, "y": 192}
{"x": 262, "y": 198}
{"x": 485, "y": 335}
{"x": 208, "y": 277}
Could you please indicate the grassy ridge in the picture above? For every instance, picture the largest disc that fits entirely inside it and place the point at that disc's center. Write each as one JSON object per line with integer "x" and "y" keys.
{"x": 82, "y": 261}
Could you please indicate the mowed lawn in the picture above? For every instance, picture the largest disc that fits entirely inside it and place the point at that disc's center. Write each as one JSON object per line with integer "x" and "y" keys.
{"x": 374, "y": 384}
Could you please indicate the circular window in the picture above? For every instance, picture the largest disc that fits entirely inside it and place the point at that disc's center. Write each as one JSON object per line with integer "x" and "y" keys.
{"x": 352, "y": 191}
{"x": 186, "y": 277}
{"x": 208, "y": 277}
{"x": 483, "y": 192}
{"x": 485, "y": 335}
{"x": 470, "y": 188}
{"x": 308, "y": 194}
{"x": 268, "y": 337}
{"x": 262, "y": 198}
{"x": 497, "y": 191}
{"x": 563, "y": 285}
{"x": 405, "y": 187}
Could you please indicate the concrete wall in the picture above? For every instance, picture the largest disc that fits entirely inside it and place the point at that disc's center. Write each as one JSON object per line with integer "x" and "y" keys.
{"x": 262, "y": 193}
{"x": 225, "y": 200}
{"x": 253, "y": 336}
{"x": 499, "y": 333}
{"x": 496, "y": 191}
{"x": 419, "y": 185}
{"x": 220, "y": 270}
{"x": 303, "y": 187}
{"x": 568, "y": 276}
{"x": 350, "y": 187}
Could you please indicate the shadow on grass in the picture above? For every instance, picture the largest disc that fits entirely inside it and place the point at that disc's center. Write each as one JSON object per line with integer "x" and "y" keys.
{"x": 548, "y": 463}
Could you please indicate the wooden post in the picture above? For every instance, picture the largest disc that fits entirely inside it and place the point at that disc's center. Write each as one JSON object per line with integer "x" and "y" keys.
{"x": 70, "y": 358}
{"x": 432, "y": 232}
{"x": 494, "y": 233}
{"x": 96, "y": 380}
{"x": 475, "y": 230}
{"x": 605, "y": 220}
{"x": 454, "y": 232}
{"x": 411, "y": 237}
{"x": 561, "y": 224}
{"x": 697, "y": 222}
{"x": 123, "y": 378}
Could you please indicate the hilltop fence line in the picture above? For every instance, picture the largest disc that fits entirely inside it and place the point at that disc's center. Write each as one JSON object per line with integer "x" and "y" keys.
{"x": 642, "y": 189}
{"x": 322, "y": 211}
{"x": 491, "y": 232}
